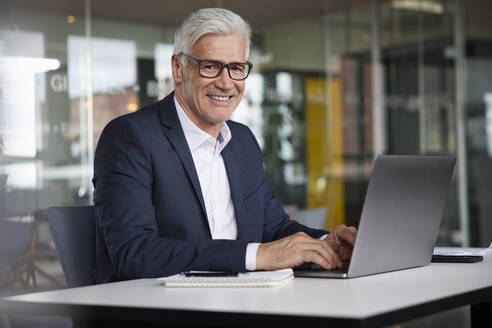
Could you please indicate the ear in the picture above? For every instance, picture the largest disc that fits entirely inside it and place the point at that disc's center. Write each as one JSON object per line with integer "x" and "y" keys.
{"x": 177, "y": 70}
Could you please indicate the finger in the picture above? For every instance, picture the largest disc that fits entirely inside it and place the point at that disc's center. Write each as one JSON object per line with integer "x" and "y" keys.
{"x": 345, "y": 252}
{"x": 317, "y": 258}
{"x": 335, "y": 246}
{"x": 325, "y": 249}
{"x": 353, "y": 230}
{"x": 332, "y": 239}
{"x": 347, "y": 235}
{"x": 296, "y": 249}
{"x": 338, "y": 231}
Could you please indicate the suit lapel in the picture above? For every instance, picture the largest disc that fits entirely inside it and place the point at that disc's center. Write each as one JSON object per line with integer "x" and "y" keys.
{"x": 175, "y": 135}
{"x": 235, "y": 184}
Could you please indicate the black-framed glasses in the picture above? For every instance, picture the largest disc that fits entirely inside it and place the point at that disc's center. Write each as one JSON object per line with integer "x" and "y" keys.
{"x": 211, "y": 68}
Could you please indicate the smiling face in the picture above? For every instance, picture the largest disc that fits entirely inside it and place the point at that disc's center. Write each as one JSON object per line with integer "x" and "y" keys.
{"x": 210, "y": 102}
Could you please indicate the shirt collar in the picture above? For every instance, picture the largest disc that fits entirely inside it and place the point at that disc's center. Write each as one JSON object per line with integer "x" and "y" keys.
{"x": 195, "y": 136}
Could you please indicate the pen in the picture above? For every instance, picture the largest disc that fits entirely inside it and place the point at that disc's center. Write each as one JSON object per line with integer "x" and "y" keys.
{"x": 210, "y": 274}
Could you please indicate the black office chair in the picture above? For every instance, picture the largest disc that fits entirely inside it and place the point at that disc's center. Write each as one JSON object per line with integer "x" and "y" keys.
{"x": 74, "y": 232}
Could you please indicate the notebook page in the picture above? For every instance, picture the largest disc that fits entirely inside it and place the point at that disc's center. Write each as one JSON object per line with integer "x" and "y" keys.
{"x": 247, "y": 279}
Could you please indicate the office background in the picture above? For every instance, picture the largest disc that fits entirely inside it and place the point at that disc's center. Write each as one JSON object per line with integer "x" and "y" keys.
{"x": 334, "y": 84}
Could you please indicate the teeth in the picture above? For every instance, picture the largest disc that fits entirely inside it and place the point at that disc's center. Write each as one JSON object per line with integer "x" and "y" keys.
{"x": 219, "y": 98}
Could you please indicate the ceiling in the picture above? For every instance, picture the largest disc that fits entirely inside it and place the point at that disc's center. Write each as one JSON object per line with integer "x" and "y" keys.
{"x": 170, "y": 13}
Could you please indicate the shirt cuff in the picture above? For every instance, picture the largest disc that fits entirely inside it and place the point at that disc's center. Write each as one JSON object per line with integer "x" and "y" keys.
{"x": 323, "y": 237}
{"x": 251, "y": 251}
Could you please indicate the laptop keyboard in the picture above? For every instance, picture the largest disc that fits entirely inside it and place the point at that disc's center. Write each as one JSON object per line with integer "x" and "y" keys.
{"x": 315, "y": 267}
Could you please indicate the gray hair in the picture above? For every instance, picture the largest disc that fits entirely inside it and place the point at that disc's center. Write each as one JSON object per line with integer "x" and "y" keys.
{"x": 209, "y": 21}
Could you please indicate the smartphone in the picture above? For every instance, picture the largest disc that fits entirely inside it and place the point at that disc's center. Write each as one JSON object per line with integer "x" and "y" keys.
{"x": 457, "y": 258}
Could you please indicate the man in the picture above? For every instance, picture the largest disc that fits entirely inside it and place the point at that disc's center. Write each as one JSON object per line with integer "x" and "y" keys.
{"x": 178, "y": 188}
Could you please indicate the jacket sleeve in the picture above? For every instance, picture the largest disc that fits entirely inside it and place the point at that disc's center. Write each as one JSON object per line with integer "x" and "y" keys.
{"x": 276, "y": 221}
{"x": 123, "y": 181}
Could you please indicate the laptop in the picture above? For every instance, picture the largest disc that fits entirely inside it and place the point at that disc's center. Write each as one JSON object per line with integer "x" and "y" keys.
{"x": 400, "y": 219}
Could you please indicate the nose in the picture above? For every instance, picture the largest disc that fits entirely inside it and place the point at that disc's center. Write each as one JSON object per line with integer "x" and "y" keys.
{"x": 224, "y": 81}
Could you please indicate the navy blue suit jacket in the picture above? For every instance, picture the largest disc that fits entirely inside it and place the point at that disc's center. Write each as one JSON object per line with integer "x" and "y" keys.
{"x": 149, "y": 205}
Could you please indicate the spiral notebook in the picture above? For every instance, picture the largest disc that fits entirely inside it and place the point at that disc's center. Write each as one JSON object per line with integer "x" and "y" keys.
{"x": 247, "y": 279}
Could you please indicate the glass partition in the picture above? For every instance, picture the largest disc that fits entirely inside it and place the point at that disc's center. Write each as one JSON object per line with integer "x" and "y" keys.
{"x": 314, "y": 99}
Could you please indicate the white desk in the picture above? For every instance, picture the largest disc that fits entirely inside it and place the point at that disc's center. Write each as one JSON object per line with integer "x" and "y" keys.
{"x": 370, "y": 301}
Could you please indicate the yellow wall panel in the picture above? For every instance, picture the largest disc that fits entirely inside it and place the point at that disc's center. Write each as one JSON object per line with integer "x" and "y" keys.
{"x": 325, "y": 148}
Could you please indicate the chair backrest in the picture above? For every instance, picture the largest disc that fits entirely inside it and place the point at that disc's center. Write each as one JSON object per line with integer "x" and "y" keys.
{"x": 74, "y": 233}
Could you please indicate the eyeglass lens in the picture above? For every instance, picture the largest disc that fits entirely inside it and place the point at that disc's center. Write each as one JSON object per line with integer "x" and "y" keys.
{"x": 212, "y": 69}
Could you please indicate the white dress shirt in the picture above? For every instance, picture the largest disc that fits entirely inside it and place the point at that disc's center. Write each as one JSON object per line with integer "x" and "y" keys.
{"x": 214, "y": 183}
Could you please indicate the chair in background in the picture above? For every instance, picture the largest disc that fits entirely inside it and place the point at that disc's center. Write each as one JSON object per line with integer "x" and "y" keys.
{"x": 28, "y": 267}
{"x": 16, "y": 237}
{"x": 74, "y": 233}
{"x": 14, "y": 243}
